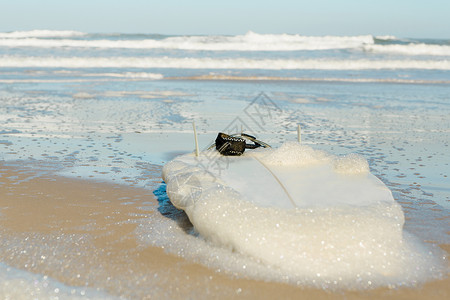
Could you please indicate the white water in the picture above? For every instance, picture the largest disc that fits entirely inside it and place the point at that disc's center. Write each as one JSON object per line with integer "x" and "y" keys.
{"x": 248, "y": 42}
{"x": 40, "y": 34}
{"x": 215, "y": 63}
{"x": 410, "y": 49}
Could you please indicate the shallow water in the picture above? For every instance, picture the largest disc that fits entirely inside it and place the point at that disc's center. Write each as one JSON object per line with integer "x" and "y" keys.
{"x": 120, "y": 124}
{"x": 404, "y": 139}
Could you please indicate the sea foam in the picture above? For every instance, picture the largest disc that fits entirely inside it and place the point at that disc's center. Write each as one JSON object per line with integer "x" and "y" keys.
{"x": 40, "y": 34}
{"x": 220, "y": 63}
{"x": 248, "y": 42}
{"x": 334, "y": 245}
{"x": 19, "y": 284}
{"x": 410, "y": 49}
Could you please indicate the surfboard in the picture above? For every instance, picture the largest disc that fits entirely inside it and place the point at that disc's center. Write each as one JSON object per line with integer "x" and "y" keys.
{"x": 311, "y": 215}
{"x": 272, "y": 178}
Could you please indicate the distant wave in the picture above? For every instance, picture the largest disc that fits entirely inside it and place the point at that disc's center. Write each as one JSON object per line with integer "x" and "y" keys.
{"x": 327, "y": 79}
{"x": 386, "y": 37}
{"x": 248, "y": 42}
{"x": 41, "y": 34}
{"x": 217, "y": 63}
{"x": 410, "y": 49}
{"x": 131, "y": 75}
{"x": 100, "y": 78}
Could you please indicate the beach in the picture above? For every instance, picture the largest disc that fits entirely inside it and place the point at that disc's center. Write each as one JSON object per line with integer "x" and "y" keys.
{"x": 88, "y": 122}
{"x": 82, "y": 234}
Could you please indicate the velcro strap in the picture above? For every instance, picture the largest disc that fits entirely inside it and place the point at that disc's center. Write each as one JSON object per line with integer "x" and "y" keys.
{"x": 230, "y": 145}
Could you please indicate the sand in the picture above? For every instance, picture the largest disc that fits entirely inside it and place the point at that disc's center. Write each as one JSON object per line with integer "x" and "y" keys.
{"x": 82, "y": 233}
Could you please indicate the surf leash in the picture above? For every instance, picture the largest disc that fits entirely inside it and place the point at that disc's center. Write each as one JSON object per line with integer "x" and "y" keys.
{"x": 235, "y": 144}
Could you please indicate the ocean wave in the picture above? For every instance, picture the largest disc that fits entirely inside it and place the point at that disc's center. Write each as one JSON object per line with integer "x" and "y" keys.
{"x": 386, "y": 37}
{"x": 132, "y": 75}
{"x": 410, "y": 49}
{"x": 216, "y": 63}
{"x": 104, "y": 78}
{"x": 248, "y": 42}
{"x": 40, "y": 34}
{"x": 320, "y": 79}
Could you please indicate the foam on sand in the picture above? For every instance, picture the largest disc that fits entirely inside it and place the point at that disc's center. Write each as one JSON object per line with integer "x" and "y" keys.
{"x": 18, "y": 284}
{"x": 331, "y": 242}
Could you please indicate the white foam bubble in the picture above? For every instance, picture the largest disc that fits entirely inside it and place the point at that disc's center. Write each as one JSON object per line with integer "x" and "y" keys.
{"x": 351, "y": 164}
{"x": 294, "y": 154}
{"x": 351, "y": 246}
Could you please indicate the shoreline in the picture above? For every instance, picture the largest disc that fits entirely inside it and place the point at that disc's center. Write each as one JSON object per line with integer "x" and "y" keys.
{"x": 82, "y": 233}
{"x": 112, "y": 77}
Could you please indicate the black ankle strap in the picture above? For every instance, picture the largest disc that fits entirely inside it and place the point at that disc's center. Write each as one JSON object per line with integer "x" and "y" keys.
{"x": 235, "y": 145}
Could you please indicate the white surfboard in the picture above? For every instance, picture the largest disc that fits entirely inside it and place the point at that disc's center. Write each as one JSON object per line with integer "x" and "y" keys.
{"x": 314, "y": 216}
{"x": 273, "y": 178}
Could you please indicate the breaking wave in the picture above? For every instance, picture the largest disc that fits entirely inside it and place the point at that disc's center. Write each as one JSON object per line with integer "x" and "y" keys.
{"x": 248, "y": 42}
{"x": 410, "y": 49}
{"x": 220, "y": 63}
{"x": 40, "y": 34}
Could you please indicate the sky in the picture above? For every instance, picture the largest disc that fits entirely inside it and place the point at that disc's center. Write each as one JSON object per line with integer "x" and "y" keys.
{"x": 401, "y": 18}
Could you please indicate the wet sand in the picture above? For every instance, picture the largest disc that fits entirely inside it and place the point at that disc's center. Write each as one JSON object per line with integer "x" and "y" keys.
{"x": 82, "y": 233}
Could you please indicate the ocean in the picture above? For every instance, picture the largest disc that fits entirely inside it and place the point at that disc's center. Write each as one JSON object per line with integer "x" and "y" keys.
{"x": 108, "y": 110}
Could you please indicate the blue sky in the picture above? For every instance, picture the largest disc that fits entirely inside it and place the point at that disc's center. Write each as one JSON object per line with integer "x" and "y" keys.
{"x": 402, "y": 18}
